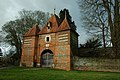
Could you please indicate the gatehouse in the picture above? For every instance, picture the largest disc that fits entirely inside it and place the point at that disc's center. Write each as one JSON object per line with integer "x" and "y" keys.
{"x": 53, "y": 46}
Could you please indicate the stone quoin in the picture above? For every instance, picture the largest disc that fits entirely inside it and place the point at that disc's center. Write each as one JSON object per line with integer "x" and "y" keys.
{"x": 53, "y": 46}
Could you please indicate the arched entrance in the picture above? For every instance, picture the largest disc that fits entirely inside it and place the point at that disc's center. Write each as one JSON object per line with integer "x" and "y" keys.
{"x": 47, "y": 58}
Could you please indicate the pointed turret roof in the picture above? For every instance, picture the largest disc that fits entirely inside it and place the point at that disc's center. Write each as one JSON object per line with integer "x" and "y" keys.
{"x": 54, "y": 20}
{"x": 33, "y": 31}
{"x": 65, "y": 25}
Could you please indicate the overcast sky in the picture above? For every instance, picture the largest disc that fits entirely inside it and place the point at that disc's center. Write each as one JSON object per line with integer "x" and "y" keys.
{"x": 9, "y": 11}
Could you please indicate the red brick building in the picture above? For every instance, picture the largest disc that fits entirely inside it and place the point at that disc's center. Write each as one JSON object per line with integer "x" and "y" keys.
{"x": 52, "y": 46}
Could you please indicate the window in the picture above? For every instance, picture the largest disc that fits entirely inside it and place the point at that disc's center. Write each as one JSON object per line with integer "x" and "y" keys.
{"x": 49, "y": 26}
{"x": 47, "y": 39}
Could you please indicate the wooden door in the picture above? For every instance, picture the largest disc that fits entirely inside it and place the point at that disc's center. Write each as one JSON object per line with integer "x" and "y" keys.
{"x": 47, "y": 59}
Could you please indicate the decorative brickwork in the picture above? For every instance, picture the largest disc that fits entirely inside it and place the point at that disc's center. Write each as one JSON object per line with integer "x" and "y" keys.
{"x": 52, "y": 46}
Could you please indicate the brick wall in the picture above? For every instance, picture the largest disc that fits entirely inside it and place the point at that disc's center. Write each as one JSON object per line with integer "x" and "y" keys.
{"x": 28, "y": 51}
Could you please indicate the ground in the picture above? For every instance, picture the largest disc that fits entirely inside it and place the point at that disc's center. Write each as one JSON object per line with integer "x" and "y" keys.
{"x": 53, "y": 74}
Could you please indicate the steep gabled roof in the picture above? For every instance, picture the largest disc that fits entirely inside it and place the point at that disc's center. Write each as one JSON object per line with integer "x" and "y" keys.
{"x": 33, "y": 31}
{"x": 54, "y": 20}
{"x": 65, "y": 25}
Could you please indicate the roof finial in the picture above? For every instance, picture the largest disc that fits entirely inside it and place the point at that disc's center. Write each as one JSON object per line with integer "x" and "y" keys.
{"x": 54, "y": 10}
{"x": 65, "y": 15}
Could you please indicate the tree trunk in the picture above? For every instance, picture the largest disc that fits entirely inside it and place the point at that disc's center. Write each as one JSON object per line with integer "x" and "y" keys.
{"x": 18, "y": 48}
{"x": 114, "y": 25}
{"x": 103, "y": 36}
{"x": 116, "y": 29}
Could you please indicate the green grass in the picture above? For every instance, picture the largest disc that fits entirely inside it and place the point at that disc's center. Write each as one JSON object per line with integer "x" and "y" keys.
{"x": 52, "y": 74}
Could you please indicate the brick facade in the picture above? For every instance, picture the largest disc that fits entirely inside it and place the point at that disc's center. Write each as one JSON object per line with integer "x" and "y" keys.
{"x": 52, "y": 46}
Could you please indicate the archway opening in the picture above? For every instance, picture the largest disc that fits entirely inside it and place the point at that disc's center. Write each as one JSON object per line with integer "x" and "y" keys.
{"x": 47, "y": 58}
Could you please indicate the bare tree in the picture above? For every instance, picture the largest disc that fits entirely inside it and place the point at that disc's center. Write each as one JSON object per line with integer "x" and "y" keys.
{"x": 112, "y": 8}
{"x": 103, "y": 14}
{"x": 16, "y": 29}
{"x": 93, "y": 19}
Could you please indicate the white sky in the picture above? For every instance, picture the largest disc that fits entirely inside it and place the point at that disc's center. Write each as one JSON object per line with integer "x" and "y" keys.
{"x": 9, "y": 11}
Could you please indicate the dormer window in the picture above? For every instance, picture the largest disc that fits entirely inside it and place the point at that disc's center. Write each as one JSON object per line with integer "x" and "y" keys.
{"x": 49, "y": 25}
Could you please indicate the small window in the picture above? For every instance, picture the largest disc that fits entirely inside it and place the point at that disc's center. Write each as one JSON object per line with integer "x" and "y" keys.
{"x": 48, "y": 24}
{"x": 48, "y": 27}
{"x": 47, "y": 39}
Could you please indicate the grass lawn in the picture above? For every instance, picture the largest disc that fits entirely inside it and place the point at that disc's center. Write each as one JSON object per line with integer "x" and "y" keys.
{"x": 51, "y": 74}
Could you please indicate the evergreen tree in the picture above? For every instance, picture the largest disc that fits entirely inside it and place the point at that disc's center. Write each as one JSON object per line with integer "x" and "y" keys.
{"x": 65, "y": 13}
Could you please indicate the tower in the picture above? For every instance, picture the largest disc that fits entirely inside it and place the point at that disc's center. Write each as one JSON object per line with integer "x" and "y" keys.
{"x": 29, "y": 47}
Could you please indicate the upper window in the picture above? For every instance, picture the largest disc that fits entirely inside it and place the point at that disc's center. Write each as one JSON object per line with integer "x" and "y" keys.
{"x": 49, "y": 25}
{"x": 47, "y": 38}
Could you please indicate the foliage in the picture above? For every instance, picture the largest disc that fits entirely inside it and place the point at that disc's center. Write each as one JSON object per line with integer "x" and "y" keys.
{"x": 94, "y": 19}
{"x": 92, "y": 43}
{"x": 107, "y": 14}
{"x": 51, "y": 74}
{"x": 16, "y": 29}
{"x": 1, "y": 54}
{"x": 65, "y": 13}
{"x": 89, "y": 49}
{"x": 28, "y": 18}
